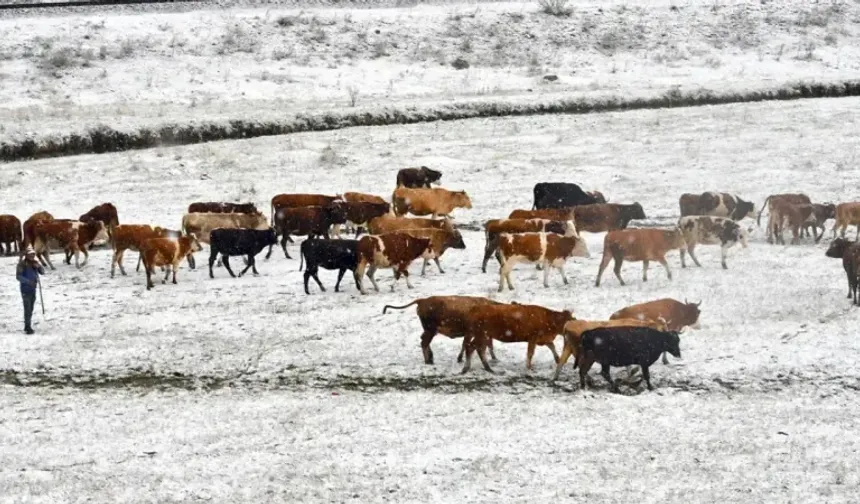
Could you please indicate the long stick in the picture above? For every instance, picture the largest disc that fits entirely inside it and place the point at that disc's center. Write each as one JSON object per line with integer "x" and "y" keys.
{"x": 41, "y": 297}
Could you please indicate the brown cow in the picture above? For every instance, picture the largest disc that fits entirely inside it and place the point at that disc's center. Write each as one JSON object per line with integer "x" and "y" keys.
{"x": 10, "y": 235}
{"x": 222, "y": 207}
{"x": 391, "y": 224}
{"x": 357, "y": 197}
{"x": 299, "y": 200}
{"x": 74, "y": 236}
{"x": 675, "y": 314}
{"x": 795, "y": 198}
{"x": 846, "y": 215}
{"x": 360, "y": 213}
{"x": 512, "y": 323}
{"x": 435, "y": 201}
{"x": 598, "y": 196}
{"x": 29, "y": 227}
{"x": 131, "y": 237}
{"x": 849, "y": 252}
{"x": 306, "y": 221}
{"x": 392, "y": 250}
{"x": 602, "y": 217}
{"x": 446, "y": 315}
{"x": 440, "y": 241}
{"x": 796, "y": 215}
{"x": 167, "y": 252}
{"x": 106, "y": 213}
{"x": 556, "y": 214}
{"x": 493, "y": 228}
{"x": 548, "y": 249}
{"x": 716, "y": 204}
{"x": 639, "y": 245}
{"x": 573, "y": 333}
{"x": 418, "y": 177}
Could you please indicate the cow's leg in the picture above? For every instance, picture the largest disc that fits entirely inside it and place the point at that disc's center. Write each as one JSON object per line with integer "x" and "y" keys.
{"x": 795, "y": 235}
{"x": 249, "y": 263}
{"x": 565, "y": 355}
{"x": 617, "y": 268}
{"x": 468, "y": 348}
{"x": 682, "y": 251}
{"x": 438, "y": 265}
{"x": 149, "y": 284}
{"x": 370, "y": 272}
{"x": 645, "y": 270}
{"x": 665, "y": 264}
{"x": 665, "y": 359}
{"x": 424, "y": 266}
{"x": 427, "y": 338}
{"x": 551, "y": 346}
{"x": 404, "y": 270}
{"x": 167, "y": 269}
{"x": 546, "y": 274}
{"x": 505, "y": 275}
{"x": 604, "y": 262}
{"x": 227, "y": 265}
{"x": 585, "y": 363}
{"x": 284, "y": 245}
{"x": 724, "y": 251}
{"x": 139, "y": 260}
{"x": 604, "y": 372}
{"x": 173, "y": 268}
{"x": 340, "y": 274}
{"x": 563, "y": 276}
{"x": 530, "y": 353}
{"x": 482, "y": 354}
{"x": 691, "y": 249}
{"x": 86, "y": 256}
{"x": 314, "y": 274}
{"x": 213, "y": 254}
{"x": 358, "y": 275}
{"x": 336, "y": 230}
{"x": 488, "y": 252}
{"x": 646, "y": 374}
{"x": 113, "y": 262}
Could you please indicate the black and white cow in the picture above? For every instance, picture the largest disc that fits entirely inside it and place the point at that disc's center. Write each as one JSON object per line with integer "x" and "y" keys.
{"x": 707, "y": 230}
{"x": 238, "y": 242}
{"x": 331, "y": 255}
{"x": 562, "y": 195}
{"x": 716, "y": 204}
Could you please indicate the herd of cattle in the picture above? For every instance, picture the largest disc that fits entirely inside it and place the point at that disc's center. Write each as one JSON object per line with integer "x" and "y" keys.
{"x": 547, "y": 235}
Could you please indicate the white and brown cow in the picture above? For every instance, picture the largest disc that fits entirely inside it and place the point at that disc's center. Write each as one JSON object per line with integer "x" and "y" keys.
{"x": 495, "y": 227}
{"x": 716, "y": 204}
{"x": 392, "y": 250}
{"x": 73, "y": 236}
{"x": 547, "y": 249}
{"x": 707, "y": 230}
{"x": 440, "y": 241}
{"x": 167, "y": 252}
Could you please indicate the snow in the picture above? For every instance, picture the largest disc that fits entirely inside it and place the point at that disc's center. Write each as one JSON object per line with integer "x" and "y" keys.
{"x": 68, "y": 73}
{"x": 777, "y": 350}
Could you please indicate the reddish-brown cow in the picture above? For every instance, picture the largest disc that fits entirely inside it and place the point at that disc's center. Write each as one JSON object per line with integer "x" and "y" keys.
{"x": 393, "y": 250}
{"x": 639, "y": 245}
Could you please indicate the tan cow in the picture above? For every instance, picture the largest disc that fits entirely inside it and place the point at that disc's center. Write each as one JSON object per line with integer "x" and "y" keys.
{"x": 548, "y": 249}
{"x": 357, "y": 197}
{"x": 435, "y": 201}
{"x": 509, "y": 324}
{"x": 167, "y": 252}
{"x": 639, "y": 244}
{"x": 795, "y": 198}
{"x": 573, "y": 333}
{"x": 446, "y": 315}
{"x": 392, "y": 250}
{"x": 131, "y": 237}
{"x": 390, "y": 224}
{"x": 556, "y": 214}
{"x": 202, "y": 223}
{"x": 796, "y": 215}
{"x": 847, "y": 214}
{"x": 440, "y": 241}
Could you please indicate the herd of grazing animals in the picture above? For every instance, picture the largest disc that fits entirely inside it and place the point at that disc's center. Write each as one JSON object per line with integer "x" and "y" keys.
{"x": 547, "y": 235}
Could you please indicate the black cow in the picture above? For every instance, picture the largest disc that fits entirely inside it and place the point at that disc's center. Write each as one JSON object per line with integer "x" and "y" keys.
{"x": 417, "y": 177}
{"x": 235, "y": 242}
{"x": 307, "y": 221}
{"x": 849, "y": 252}
{"x": 329, "y": 254}
{"x": 624, "y": 346}
{"x": 560, "y": 195}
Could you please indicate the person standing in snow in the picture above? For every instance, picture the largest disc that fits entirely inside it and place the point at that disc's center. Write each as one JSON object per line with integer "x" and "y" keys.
{"x": 28, "y": 273}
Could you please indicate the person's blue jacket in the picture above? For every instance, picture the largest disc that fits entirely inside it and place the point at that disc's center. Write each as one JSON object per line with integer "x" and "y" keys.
{"x": 28, "y": 275}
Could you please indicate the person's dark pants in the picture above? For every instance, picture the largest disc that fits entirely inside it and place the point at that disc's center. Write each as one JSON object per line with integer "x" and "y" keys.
{"x": 29, "y": 303}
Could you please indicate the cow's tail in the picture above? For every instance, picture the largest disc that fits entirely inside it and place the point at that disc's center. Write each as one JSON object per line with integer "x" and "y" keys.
{"x": 398, "y": 307}
{"x": 301, "y": 257}
{"x": 763, "y": 206}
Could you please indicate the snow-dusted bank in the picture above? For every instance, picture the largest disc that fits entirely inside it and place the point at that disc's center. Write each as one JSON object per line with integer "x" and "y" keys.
{"x": 69, "y": 73}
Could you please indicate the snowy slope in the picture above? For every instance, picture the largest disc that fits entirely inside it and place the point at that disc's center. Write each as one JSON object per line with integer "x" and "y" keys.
{"x": 777, "y": 351}
{"x": 67, "y": 73}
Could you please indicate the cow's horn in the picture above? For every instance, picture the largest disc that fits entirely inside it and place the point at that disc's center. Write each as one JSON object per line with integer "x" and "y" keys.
{"x": 698, "y": 304}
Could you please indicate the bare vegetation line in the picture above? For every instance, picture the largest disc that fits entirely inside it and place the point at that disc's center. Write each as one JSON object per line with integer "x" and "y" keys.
{"x": 106, "y": 139}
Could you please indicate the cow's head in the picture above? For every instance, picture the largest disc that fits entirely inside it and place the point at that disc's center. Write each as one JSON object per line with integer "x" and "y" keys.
{"x": 461, "y": 199}
{"x": 828, "y": 211}
{"x": 672, "y": 343}
{"x": 336, "y": 212}
{"x": 455, "y": 241}
{"x": 691, "y": 314}
{"x": 633, "y": 212}
{"x": 194, "y": 243}
{"x": 743, "y": 209}
{"x": 432, "y": 176}
{"x": 270, "y": 237}
{"x": 838, "y": 247}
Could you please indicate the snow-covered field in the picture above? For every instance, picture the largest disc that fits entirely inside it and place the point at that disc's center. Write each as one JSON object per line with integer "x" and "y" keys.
{"x": 330, "y": 399}
{"x": 66, "y": 73}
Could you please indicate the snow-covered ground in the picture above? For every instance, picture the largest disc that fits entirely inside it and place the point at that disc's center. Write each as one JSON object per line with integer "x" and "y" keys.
{"x": 66, "y": 73}
{"x": 777, "y": 351}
